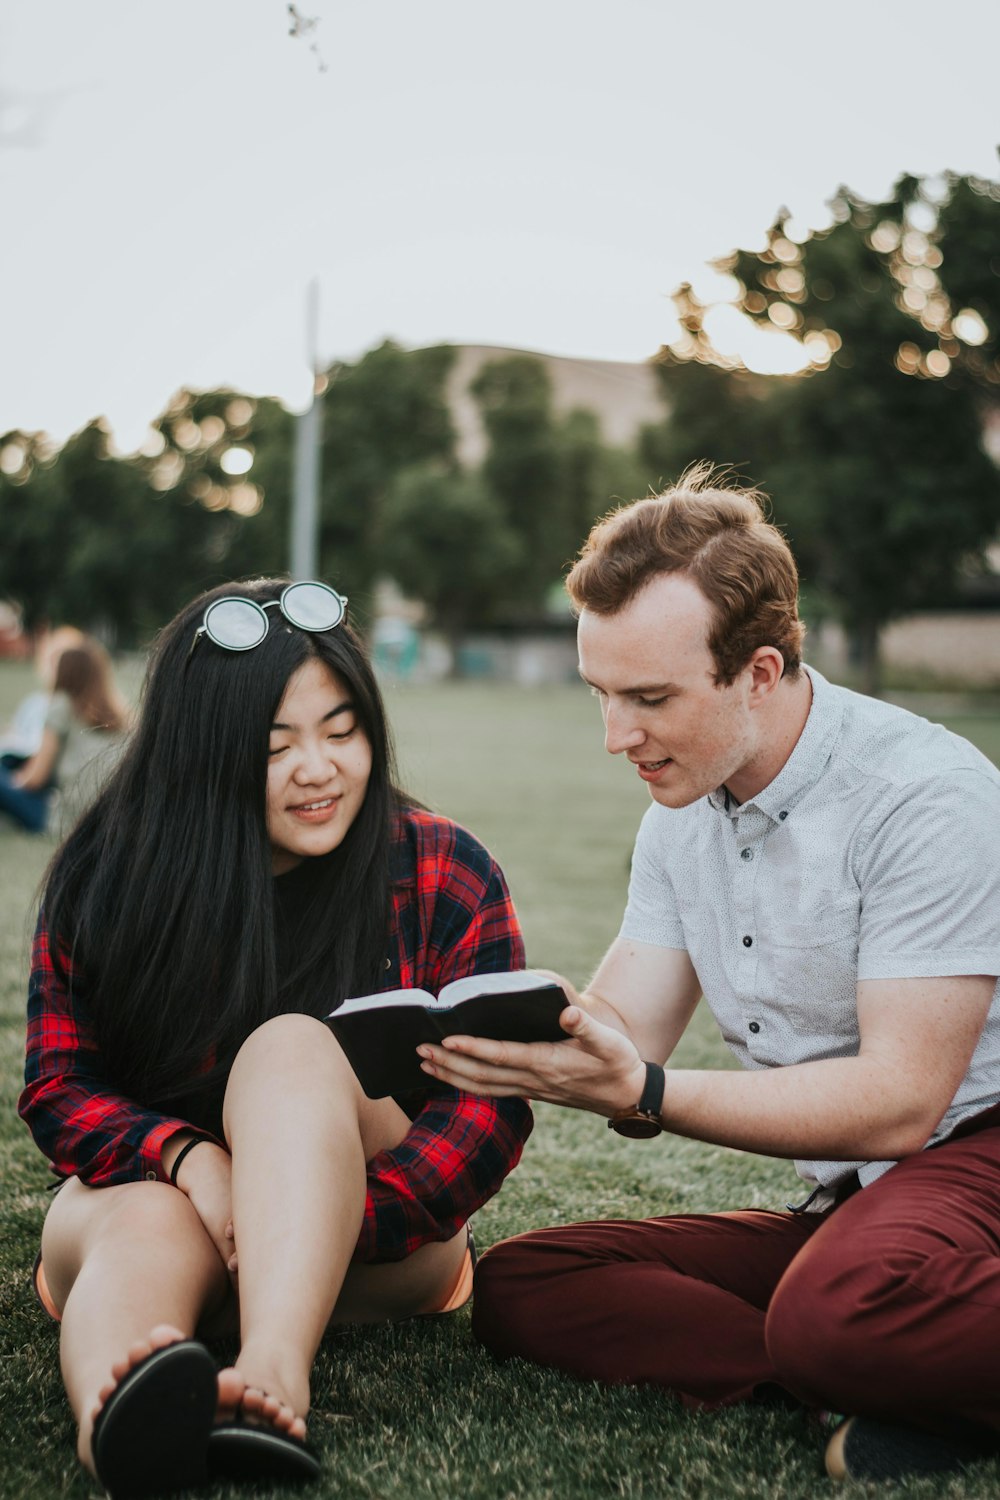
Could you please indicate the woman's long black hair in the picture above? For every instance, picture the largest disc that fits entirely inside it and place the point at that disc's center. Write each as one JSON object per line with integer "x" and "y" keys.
{"x": 163, "y": 895}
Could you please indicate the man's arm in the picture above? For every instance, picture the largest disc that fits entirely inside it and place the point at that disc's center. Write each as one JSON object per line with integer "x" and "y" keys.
{"x": 647, "y": 993}
{"x": 917, "y": 1038}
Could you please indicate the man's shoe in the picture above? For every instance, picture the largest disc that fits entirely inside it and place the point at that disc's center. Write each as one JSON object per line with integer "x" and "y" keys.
{"x": 863, "y": 1448}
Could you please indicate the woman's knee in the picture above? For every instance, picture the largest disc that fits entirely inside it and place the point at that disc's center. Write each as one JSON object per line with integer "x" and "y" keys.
{"x": 298, "y": 1043}
{"x": 91, "y": 1222}
{"x": 149, "y": 1211}
{"x": 289, "y": 1065}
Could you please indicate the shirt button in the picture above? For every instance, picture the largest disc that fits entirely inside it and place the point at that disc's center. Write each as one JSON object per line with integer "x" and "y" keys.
{"x": 748, "y": 942}
{"x": 754, "y": 1027}
{"x": 746, "y": 854}
{"x": 151, "y": 1177}
{"x": 782, "y": 816}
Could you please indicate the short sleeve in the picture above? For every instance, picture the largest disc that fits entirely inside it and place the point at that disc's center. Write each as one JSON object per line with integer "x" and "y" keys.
{"x": 651, "y": 914}
{"x": 59, "y": 715}
{"x": 930, "y": 881}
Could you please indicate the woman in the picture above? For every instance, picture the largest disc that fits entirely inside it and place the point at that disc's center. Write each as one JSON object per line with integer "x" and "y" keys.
{"x": 249, "y": 865}
{"x": 82, "y": 730}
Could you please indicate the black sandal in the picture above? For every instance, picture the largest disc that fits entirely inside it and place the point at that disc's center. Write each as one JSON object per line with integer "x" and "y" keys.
{"x": 243, "y": 1449}
{"x": 151, "y": 1435}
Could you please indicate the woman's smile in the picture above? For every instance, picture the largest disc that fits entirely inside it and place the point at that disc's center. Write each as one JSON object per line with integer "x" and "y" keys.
{"x": 315, "y": 811}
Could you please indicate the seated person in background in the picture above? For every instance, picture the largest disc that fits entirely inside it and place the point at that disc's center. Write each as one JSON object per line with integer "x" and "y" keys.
{"x": 23, "y": 735}
{"x": 825, "y": 869}
{"x": 85, "y": 720}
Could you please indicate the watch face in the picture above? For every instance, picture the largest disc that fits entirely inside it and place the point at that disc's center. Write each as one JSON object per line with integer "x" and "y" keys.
{"x": 637, "y": 1127}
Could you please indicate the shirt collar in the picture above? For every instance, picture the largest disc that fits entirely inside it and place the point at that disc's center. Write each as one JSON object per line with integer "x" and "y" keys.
{"x": 806, "y": 763}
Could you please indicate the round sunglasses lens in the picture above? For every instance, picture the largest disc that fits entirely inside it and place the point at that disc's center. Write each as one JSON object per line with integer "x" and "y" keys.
{"x": 237, "y": 624}
{"x": 312, "y": 606}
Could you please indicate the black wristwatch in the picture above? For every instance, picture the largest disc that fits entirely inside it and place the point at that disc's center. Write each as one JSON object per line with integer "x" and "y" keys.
{"x": 642, "y": 1121}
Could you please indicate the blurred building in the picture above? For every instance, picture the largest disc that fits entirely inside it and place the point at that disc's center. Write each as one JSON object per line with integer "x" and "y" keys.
{"x": 622, "y": 396}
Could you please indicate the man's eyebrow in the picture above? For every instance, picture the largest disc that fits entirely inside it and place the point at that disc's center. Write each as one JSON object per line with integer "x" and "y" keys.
{"x": 346, "y": 707}
{"x": 641, "y": 689}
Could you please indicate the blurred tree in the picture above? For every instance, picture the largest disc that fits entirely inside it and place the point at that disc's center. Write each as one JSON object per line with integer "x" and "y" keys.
{"x": 552, "y": 476}
{"x": 113, "y": 542}
{"x": 715, "y": 409}
{"x": 116, "y": 545}
{"x": 522, "y": 470}
{"x": 380, "y": 416}
{"x": 876, "y": 458}
{"x": 968, "y": 243}
{"x": 225, "y": 463}
{"x": 85, "y": 542}
{"x": 33, "y": 515}
{"x": 446, "y": 542}
{"x": 594, "y": 476}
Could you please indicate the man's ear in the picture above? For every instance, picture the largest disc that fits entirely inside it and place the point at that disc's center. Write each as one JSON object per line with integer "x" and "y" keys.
{"x": 766, "y": 667}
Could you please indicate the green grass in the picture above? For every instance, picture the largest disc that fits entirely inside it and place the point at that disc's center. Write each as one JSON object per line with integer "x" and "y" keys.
{"x": 418, "y": 1410}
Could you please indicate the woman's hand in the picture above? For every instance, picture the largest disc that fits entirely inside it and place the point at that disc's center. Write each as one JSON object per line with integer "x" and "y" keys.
{"x": 205, "y": 1177}
{"x": 597, "y": 1068}
{"x": 36, "y": 773}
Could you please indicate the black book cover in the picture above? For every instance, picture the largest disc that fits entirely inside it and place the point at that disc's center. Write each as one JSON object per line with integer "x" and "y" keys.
{"x": 380, "y": 1033}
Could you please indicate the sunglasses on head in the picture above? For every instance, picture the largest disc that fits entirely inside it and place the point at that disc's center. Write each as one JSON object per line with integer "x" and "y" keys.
{"x": 239, "y": 624}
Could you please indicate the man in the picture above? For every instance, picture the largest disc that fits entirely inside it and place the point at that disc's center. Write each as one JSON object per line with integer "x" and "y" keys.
{"x": 825, "y": 869}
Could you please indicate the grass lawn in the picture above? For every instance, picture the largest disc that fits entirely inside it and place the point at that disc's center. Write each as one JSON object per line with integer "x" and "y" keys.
{"x": 418, "y": 1410}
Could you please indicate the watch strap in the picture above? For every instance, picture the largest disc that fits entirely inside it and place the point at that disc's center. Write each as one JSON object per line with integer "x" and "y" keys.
{"x": 642, "y": 1120}
{"x": 651, "y": 1098}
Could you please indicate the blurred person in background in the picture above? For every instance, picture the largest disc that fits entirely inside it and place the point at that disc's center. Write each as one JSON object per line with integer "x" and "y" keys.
{"x": 23, "y": 735}
{"x": 84, "y": 724}
{"x": 824, "y": 869}
{"x": 250, "y": 864}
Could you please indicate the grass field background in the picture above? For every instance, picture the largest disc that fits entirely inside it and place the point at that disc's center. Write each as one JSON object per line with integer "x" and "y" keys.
{"x": 418, "y": 1410}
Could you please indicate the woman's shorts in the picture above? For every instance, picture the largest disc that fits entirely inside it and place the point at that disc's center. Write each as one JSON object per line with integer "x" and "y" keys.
{"x": 42, "y": 1292}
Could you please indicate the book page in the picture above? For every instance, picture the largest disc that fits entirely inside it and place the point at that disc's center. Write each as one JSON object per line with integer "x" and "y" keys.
{"x": 387, "y": 997}
{"x": 492, "y": 984}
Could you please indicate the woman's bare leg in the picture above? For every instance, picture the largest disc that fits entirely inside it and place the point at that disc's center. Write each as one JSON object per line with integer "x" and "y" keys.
{"x": 131, "y": 1268}
{"x": 301, "y": 1130}
{"x": 404, "y": 1288}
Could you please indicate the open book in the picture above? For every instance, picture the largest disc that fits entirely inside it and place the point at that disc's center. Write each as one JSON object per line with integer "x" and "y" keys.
{"x": 380, "y": 1033}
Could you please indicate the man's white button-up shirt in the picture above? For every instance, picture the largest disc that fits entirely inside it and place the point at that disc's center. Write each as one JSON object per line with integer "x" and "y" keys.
{"x": 874, "y": 854}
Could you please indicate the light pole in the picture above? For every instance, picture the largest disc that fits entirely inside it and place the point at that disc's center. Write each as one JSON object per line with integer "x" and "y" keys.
{"x": 308, "y": 433}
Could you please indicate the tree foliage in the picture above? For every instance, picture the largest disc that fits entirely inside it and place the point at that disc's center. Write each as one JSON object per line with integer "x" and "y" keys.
{"x": 448, "y": 544}
{"x": 521, "y": 470}
{"x": 380, "y": 416}
{"x": 875, "y": 457}
{"x": 550, "y": 475}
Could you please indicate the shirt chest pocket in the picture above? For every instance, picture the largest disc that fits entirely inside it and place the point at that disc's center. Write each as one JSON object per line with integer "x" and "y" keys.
{"x": 813, "y": 966}
{"x": 829, "y": 922}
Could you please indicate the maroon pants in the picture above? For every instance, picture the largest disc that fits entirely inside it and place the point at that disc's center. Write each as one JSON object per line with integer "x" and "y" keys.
{"x": 887, "y": 1305}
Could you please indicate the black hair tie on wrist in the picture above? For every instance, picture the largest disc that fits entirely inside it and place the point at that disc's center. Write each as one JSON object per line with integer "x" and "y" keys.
{"x": 189, "y": 1146}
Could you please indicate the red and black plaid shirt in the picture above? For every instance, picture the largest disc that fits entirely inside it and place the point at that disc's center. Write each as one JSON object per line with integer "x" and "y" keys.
{"x": 452, "y": 916}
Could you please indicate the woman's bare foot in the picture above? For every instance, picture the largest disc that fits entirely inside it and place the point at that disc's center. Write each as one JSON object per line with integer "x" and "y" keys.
{"x": 232, "y": 1387}
{"x": 159, "y": 1338}
{"x": 264, "y": 1440}
{"x": 148, "y": 1433}
{"x": 267, "y": 1393}
{"x": 265, "y": 1407}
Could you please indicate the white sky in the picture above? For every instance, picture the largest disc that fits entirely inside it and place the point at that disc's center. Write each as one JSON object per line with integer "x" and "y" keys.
{"x": 540, "y": 173}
